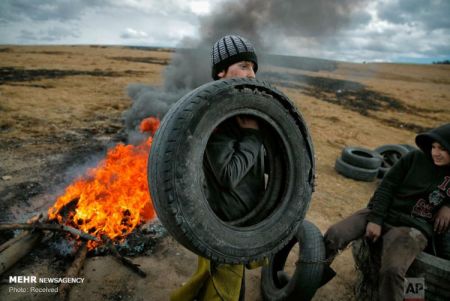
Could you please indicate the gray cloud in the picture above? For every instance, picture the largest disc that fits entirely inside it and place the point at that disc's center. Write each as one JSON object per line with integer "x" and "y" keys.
{"x": 429, "y": 14}
{"x": 49, "y": 35}
{"x": 341, "y": 29}
{"x": 253, "y": 19}
{"x": 439, "y": 49}
{"x": 58, "y": 33}
{"x": 131, "y": 33}
{"x": 42, "y": 10}
{"x": 115, "y": 21}
{"x": 27, "y": 35}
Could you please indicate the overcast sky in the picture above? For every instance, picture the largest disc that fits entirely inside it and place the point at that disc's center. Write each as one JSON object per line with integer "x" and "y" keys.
{"x": 349, "y": 30}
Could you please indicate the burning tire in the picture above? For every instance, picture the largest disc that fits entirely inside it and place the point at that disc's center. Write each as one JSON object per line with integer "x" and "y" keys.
{"x": 307, "y": 276}
{"x": 176, "y": 178}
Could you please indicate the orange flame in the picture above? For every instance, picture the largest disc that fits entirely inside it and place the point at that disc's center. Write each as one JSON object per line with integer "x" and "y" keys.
{"x": 113, "y": 197}
{"x": 150, "y": 124}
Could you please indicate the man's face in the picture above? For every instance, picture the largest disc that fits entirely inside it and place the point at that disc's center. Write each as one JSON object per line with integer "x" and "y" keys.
{"x": 239, "y": 69}
{"x": 440, "y": 155}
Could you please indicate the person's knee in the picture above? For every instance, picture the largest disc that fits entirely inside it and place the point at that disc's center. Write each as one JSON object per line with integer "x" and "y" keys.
{"x": 332, "y": 241}
{"x": 331, "y": 234}
{"x": 418, "y": 237}
{"x": 405, "y": 240}
{"x": 391, "y": 272}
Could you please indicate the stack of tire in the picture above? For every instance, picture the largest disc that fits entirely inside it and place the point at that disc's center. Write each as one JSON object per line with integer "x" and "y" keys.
{"x": 363, "y": 164}
{"x": 391, "y": 153}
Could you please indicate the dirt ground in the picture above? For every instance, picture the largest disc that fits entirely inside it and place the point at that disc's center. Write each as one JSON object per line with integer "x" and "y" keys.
{"x": 51, "y": 126}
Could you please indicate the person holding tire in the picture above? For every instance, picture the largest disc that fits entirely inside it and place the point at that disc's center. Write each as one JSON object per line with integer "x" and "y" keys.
{"x": 234, "y": 173}
{"x": 408, "y": 210}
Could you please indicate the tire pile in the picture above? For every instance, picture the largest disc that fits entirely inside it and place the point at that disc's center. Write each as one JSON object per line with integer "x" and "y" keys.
{"x": 363, "y": 164}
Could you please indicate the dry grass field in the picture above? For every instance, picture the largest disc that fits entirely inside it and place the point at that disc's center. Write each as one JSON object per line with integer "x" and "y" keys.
{"x": 52, "y": 122}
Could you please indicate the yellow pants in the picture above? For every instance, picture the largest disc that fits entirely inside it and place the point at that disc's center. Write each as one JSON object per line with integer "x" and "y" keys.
{"x": 217, "y": 282}
{"x": 214, "y": 282}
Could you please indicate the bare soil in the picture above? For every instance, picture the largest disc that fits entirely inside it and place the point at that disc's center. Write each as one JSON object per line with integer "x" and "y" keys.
{"x": 61, "y": 106}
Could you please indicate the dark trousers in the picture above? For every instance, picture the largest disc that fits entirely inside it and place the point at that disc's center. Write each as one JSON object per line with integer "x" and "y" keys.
{"x": 400, "y": 246}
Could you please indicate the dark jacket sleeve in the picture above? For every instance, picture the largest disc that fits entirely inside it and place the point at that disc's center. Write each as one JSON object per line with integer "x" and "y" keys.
{"x": 231, "y": 158}
{"x": 382, "y": 197}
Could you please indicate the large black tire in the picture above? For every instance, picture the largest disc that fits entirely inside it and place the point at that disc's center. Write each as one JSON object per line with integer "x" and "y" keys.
{"x": 308, "y": 273}
{"x": 354, "y": 172}
{"x": 436, "y": 272}
{"x": 176, "y": 177}
{"x": 390, "y": 153}
{"x": 361, "y": 157}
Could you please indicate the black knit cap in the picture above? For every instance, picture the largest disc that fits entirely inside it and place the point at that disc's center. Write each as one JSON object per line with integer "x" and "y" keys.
{"x": 229, "y": 50}
{"x": 440, "y": 134}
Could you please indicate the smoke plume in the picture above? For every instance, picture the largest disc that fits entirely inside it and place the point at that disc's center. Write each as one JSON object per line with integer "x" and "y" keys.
{"x": 266, "y": 23}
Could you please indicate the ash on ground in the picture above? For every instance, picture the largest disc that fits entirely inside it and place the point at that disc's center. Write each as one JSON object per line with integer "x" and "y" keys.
{"x": 142, "y": 241}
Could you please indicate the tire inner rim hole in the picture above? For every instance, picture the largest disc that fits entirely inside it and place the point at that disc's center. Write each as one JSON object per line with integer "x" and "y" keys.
{"x": 362, "y": 154}
{"x": 260, "y": 208}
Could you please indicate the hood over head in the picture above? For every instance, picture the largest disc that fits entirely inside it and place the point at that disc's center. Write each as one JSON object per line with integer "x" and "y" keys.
{"x": 440, "y": 134}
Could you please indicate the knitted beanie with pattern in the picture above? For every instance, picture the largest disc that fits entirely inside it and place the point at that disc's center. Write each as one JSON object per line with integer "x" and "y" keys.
{"x": 229, "y": 50}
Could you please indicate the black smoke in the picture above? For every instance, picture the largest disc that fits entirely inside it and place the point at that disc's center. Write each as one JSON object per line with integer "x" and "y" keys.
{"x": 266, "y": 23}
{"x": 258, "y": 20}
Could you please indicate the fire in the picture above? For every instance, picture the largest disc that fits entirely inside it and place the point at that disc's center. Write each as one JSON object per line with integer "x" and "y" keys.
{"x": 112, "y": 198}
{"x": 150, "y": 124}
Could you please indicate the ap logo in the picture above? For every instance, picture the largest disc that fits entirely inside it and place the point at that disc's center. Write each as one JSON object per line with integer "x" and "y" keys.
{"x": 414, "y": 289}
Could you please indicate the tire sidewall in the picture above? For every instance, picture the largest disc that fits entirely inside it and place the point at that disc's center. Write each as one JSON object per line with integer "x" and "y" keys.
{"x": 354, "y": 172}
{"x": 192, "y": 220}
{"x": 352, "y": 156}
{"x": 307, "y": 276}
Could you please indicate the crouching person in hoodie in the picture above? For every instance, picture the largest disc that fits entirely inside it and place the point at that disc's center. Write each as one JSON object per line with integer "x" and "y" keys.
{"x": 409, "y": 208}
